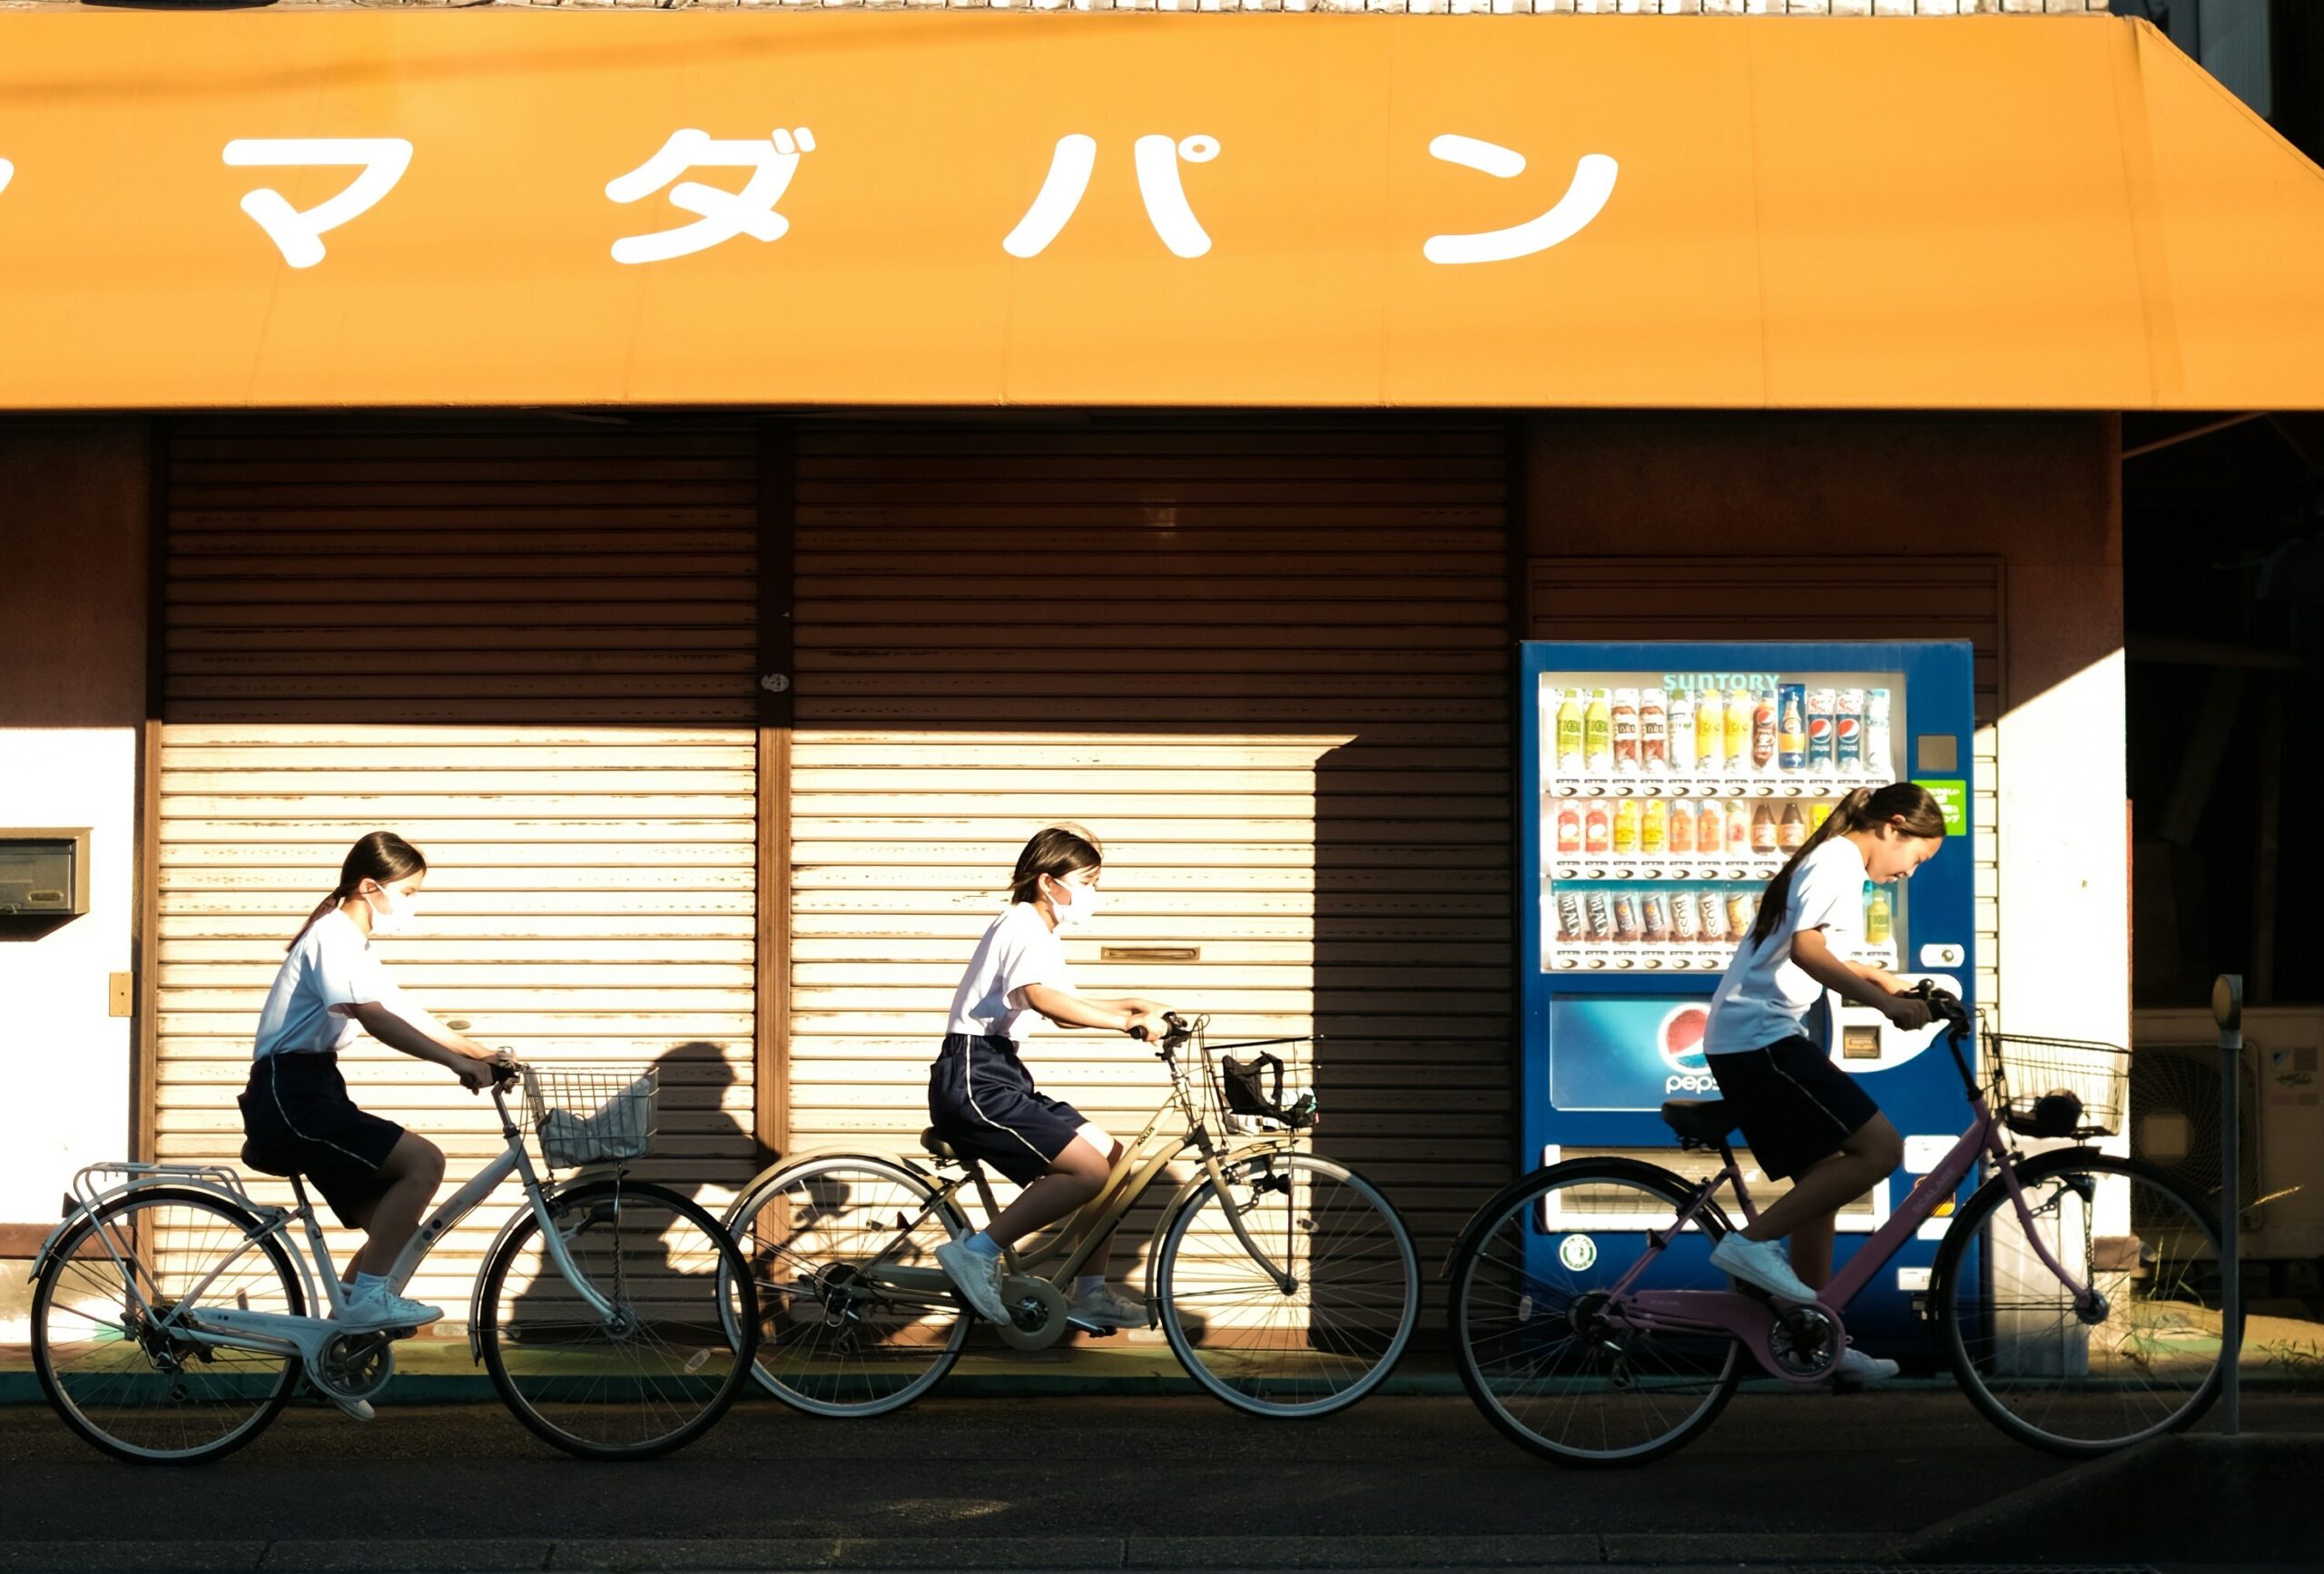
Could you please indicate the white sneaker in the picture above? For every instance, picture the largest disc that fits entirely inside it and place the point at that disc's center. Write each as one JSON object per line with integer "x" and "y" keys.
{"x": 360, "y": 1409}
{"x": 1761, "y": 1264}
{"x": 976, "y": 1276}
{"x": 1102, "y": 1309}
{"x": 1857, "y": 1367}
{"x": 386, "y": 1309}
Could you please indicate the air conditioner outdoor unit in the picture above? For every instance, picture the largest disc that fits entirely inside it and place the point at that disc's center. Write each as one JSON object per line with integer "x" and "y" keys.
{"x": 2175, "y": 1117}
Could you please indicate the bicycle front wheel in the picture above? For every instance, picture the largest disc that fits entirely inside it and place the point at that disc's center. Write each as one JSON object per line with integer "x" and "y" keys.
{"x": 858, "y": 1319}
{"x": 644, "y": 1345}
{"x": 1308, "y": 1346}
{"x": 2140, "y": 1359}
{"x": 1543, "y": 1348}
{"x": 116, "y": 1339}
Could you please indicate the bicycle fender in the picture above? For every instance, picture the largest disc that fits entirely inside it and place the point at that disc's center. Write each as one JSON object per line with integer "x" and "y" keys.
{"x": 1494, "y": 1205}
{"x": 95, "y": 1205}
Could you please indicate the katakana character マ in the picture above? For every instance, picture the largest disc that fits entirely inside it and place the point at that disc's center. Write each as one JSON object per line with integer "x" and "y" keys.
{"x": 1157, "y": 158}
{"x": 1584, "y": 200}
{"x": 724, "y": 214}
{"x": 299, "y": 235}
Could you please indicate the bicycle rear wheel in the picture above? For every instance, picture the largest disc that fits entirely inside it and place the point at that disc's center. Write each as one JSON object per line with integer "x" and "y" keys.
{"x": 835, "y": 1338}
{"x": 2079, "y": 1382}
{"x": 1540, "y": 1350}
{"x": 646, "y": 1347}
{"x": 1334, "y": 1334}
{"x": 133, "y": 1387}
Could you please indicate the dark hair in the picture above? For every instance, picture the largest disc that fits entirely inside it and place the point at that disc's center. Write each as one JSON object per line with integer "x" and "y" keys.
{"x": 1862, "y": 809}
{"x": 1056, "y": 851}
{"x": 382, "y": 856}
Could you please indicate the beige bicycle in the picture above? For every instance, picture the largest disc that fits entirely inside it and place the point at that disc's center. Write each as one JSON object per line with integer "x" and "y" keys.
{"x": 1283, "y": 1282}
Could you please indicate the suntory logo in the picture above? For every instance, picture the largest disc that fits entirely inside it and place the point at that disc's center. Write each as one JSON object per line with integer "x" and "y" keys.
{"x": 1720, "y": 679}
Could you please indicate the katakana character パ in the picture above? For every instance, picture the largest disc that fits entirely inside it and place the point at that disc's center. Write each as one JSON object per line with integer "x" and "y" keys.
{"x": 1584, "y": 200}
{"x": 299, "y": 234}
{"x": 1157, "y": 159}
{"x": 723, "y": 214}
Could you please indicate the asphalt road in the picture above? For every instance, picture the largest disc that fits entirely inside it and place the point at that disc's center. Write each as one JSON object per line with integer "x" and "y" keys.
{"x": 975, "y": 1469}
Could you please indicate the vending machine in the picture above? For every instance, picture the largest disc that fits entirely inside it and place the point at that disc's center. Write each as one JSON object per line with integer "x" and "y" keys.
{"x": 1664, "y": 784}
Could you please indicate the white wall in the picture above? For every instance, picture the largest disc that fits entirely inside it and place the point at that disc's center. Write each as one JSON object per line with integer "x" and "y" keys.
{"x": 65, "y": 1060}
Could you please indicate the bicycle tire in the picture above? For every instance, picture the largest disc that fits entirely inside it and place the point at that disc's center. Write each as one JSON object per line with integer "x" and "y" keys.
{"x": 1329, "y": 1347}
{"x": 1521, "y": 1201}
{"x": 661, "y": 1375}
{"x": 2036, "y": 1333}
{"x": 812, "y": 1351}
{"x": 65, "y": 1262}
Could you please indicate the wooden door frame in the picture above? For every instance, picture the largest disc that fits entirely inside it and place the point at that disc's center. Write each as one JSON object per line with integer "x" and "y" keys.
{"x": 778, "y": 474}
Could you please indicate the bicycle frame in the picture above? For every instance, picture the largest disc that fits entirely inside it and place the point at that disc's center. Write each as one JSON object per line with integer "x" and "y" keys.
{"x": 1144, "y": 1160}
{"x": 282, "y": 1333}
{"x": 1752, "y": 1319}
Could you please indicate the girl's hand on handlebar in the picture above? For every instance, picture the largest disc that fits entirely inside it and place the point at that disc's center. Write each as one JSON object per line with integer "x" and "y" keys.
{"x": 1910, "y": 1012}
{"x": 1150, "y": 1022}
{"x": 497, "y": 1069}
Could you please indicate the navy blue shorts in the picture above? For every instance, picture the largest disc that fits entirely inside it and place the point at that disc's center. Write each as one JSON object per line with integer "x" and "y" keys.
{"x": 1795, "y": 1105}
{"x": 299, "y": 1120}
{"x": 982, "y": 1101}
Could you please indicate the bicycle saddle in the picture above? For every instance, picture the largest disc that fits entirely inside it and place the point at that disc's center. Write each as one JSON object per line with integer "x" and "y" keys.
{"x": 1702, "y": 1119}
{"x": 261, "y": 1160}
{"x": 937, "y": 1146}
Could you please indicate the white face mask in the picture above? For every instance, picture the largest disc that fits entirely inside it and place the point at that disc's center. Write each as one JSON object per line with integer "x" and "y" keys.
{"x": 390, "y": 914}
{"x": 1077, "y": 906}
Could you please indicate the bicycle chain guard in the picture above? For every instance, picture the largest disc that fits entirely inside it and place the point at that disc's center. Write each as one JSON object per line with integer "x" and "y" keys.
{"x": 1036, "y": 1313}
{"x": 1805, "y": 1342}
{"x": 354, "y": 1366}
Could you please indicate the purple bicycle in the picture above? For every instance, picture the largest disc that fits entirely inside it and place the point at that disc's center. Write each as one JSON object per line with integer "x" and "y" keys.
{"x": 2075, "y": 1293}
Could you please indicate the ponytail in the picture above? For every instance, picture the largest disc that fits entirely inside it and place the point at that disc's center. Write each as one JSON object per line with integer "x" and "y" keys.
{"x": 382, "y": 856}
{"x": 1906, "y": 803}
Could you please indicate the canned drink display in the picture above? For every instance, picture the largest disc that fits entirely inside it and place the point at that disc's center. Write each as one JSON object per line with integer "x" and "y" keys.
{"x": 1763, "y": 730}
{"x": 1710, "y": 732}
{"x": 1623, "y": 718}
{"x": 1820, "y": 704}
{"x": 1742, "y": 907}
{"x": 1653, "y": 732}
{"x": 1655, "y": 914}
{"x": 1685, "y": 926}
{"x": 1598, "y": 907}
{"x": 1626, "y": 919}
{"x": 1791, "y": 727}
{"x": 1571, "y": 923}
{"x": 1848, "y": 731}
{"x": 1739, "y": 730}
{"x": 1712, "y": 904}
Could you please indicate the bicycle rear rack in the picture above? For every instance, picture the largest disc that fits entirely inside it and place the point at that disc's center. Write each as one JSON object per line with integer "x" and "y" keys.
{"x": 122, "y": 1174}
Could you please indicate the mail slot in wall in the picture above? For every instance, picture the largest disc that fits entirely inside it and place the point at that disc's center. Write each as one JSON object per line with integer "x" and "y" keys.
{"x": 43, "y": 873}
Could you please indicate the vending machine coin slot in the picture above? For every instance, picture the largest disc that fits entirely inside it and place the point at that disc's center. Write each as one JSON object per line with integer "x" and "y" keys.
{"x": 1860, "y": 1041}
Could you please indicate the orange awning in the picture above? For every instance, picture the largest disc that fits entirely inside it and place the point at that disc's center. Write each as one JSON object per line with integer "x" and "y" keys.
{"x": 1999, "y": 212}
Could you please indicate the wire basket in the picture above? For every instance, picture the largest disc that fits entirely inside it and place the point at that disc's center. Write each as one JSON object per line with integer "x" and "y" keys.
{"x": 1247, "y": 1097}
{"x": 591, "y": 1117}
{"x": 2057, "y": 1087}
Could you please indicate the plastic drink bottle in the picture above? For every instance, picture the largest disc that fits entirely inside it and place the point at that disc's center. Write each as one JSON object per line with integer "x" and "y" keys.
{"x": 1710, "y": 827}
{"x": 1682, "y": 835}
{"x": 1680, "y": 707}
{"x": 1597, "y": 828}
{"x": 1739, "y": 831}
{"x": 1654, "y": 827}
{"x": 1569, "y": 827}
{"x": 1848, "y": 731}
{"x": 1710, "y": 732}
{"x": 1820, "y": 705}
{"x": 1569, "y": 732}
{"x": 1626, "y": 818}
{"x": 1877, "y": 760}
{"x": 1878, "y": 927}
{"x": 1791, "y": 727}
{"x": 1763, "y": 730}
{"x": 1739, "y": 730}
{"x": 1623, "y": 719}
{"x": 1597, "y": 734}
{"x": 1653, "y": 732}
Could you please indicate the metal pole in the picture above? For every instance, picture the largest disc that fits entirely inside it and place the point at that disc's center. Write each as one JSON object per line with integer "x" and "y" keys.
{"x": 2227, "y": 1011}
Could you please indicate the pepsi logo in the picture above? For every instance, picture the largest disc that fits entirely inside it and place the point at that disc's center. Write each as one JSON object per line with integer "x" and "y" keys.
{"x": 1680, "y": 1042}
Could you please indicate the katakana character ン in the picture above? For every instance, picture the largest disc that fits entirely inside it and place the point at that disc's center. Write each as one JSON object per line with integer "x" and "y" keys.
{"x": 1584, "y": 200}
{"x": 724, "y": 214}
{"x": 1157, "y": 158}
{"x": 299, "y": 235}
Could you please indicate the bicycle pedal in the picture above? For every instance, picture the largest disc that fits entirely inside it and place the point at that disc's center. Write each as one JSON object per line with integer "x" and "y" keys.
{"x": 1094, "y": 1330}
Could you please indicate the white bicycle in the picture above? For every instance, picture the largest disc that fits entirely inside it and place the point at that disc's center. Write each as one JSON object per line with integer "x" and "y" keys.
{"x": 171, "y": 1311}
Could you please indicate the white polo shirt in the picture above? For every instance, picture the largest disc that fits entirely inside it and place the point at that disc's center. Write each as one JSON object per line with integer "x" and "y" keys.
{"x": 330, "y": 971}
{"x": 1018, "y": 948}
{"x": 1765, "y": 997}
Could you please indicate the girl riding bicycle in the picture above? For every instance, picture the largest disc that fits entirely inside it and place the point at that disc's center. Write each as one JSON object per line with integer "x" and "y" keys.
{"x": 1768, "y": 1040}
{"x": 982, "y": 1101}
{"x": 296, "y": 1115}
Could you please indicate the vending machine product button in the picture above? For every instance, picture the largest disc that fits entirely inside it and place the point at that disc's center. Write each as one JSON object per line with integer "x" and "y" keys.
{"x": 1943, "y": 955}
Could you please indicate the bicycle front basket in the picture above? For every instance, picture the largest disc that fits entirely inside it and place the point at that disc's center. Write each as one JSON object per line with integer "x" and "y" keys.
{"x": 591, "y": 1117}
{"x": 2057, "y": 1087}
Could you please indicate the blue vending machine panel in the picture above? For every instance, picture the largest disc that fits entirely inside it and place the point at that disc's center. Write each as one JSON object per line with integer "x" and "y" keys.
{"x": 1664, "y": 784}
